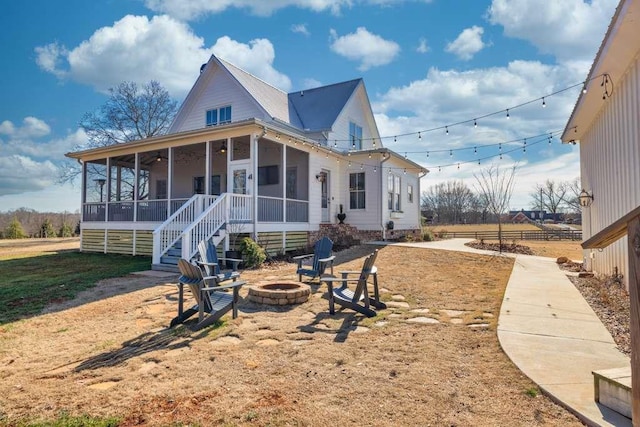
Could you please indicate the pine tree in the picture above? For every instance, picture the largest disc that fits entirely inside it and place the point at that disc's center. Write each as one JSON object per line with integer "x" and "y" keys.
{"x": 65, "y": 231}
{"x": 14, "y": 230}
{"x": 46, "y": 229}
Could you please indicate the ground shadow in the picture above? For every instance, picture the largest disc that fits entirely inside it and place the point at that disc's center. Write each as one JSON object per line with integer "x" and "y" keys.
{"x": 349, "y": 324}
{"x": 167, "y": 339}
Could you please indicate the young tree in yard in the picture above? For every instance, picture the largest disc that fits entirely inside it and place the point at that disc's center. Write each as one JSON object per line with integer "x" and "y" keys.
{"x": 65, "y": 231}
{"x": 46, "y": 229}
{"x": 14, "y": 230}
{"x": 131, "y": 113}
{"x": 495, "y": 188}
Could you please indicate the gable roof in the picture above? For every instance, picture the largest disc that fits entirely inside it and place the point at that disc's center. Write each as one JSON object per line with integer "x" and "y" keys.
{"x": 272, "y": 99}
{"x": 318, "y": 108}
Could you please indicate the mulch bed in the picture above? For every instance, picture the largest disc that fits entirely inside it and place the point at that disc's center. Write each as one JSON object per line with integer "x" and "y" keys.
{"x": 506, "y": 247}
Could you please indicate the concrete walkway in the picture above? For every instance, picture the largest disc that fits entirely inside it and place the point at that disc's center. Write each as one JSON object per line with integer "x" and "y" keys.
{"x": 551, "y": 333}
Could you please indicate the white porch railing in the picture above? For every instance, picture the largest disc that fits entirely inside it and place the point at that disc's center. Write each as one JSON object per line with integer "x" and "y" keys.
{"x": 170, "y": 231}
{"x": 228, "y": 208}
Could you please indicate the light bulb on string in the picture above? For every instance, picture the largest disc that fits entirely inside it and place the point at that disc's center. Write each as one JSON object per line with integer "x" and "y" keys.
{"x": 458, "y": 166}
{"x": 405, "y": 154}
{"x": 375, "y": 169}
{"x": 446, "y": 129}
{"x": 475, "y": 150}
{"x": 427, "y": 154}
{"x": 475, "y": 123}
{"x": 500, "y": 147}
{"x": 361, "y": 166}
{"x": 584, "y": 88}
{"x": 369, "y": 155}
{"x": 349, "y": 164}
{"x": 395, "y": 139}
{"x": 508, "y": 114}
{"x": 500, "y": 156}
{"x": 544, "y": 104}
{"x": 374, "y": 143}
{"x": 439, "y": 169}
{"x": 450, "y": 153}
{"x": 405, "y": 171}
{"x": 335, "y": 142}
{"x": 419, "y": 136}
{"x": 478, "y": 162}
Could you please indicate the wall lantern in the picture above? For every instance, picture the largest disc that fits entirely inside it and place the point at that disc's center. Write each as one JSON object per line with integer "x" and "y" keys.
{"x": 585, "y": 199}
{"x": 321, "y": 177}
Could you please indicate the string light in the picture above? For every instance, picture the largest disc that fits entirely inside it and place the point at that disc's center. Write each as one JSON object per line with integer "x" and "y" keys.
{"x": 419, "y": 136}
{"x": 544, "y": 104}
{"x": 475, "y": 150}
{"x": 369, "y": 155}
{"x": 450, "y": 153}
{"x": 458, "y": 166}
{"x": 375, "y": 168}
{"x": 607, "y": 84}
{"x": 395, "y": 139}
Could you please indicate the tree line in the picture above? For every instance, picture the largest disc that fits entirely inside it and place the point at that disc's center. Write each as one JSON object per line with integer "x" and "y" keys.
{"x": 453, "y": 202}
{"x": 27, "y": 223}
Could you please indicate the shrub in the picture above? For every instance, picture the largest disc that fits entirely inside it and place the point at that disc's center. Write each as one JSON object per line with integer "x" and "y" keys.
{"x": 252, "y": 253}
{"x": 427, "y": 235}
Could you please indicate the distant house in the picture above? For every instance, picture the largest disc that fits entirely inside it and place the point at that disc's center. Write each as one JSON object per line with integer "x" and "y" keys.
{"x": 244, "y": 157}
{"x": 605, "y": 123}
{"x": 522, "y": 216}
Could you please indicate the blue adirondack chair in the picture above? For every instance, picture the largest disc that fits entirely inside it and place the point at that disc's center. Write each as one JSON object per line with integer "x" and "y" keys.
{"x": 316, "y": 262}
{"x": 357, "y": 299}
{"x": 212, "y": 300}
{"x": 210, "y": 262}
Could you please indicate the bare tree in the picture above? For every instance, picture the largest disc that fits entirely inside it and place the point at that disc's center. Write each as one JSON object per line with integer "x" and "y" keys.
{"x": 495, "y": 188}
{"x": 550, "y": 196}
{"x": 450, "y": 201}
{"x": 131, "y": 113}
{"x": 572, "y": 198}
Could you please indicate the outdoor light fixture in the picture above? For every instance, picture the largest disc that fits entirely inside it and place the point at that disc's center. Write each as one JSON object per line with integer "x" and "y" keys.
{"x": 223, "y": 148}
{"x": 585, "y": 199}
{"x": 100, "y": 182}
{"x": 321, "y": 177}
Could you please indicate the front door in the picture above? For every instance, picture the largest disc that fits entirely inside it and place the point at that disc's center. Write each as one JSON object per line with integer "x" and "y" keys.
{"x": 325, "y": 196}
{"x": 238, "y": 179}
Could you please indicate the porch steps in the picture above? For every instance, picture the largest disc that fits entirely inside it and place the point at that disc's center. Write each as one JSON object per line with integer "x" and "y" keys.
{"x": 169, "y": 261}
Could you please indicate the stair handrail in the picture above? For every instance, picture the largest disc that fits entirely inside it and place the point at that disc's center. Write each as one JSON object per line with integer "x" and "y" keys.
{"x": 170, "y": 231}
{"x": 205, "y": 225}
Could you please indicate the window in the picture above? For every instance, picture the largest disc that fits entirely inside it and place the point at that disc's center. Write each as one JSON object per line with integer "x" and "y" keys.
{"x": 356, "y": 191}
{"x": 198, "y": 185}
{"x": 268, "y": 175}
{"x": 219, "y": 116}
{"x": 410, "y": 193}
{"x": 355, "y": 136}
{"x": 393, "y": 191}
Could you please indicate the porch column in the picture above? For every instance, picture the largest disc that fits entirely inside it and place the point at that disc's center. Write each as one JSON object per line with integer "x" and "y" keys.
{"x": 107, "y": 196}
{"x": 284, "y": 182}
{"x": 83, "y": 185}
{"x": 207, "y": 168}
{"x": 136, "y": 184}
{"x": 169, "y": 180}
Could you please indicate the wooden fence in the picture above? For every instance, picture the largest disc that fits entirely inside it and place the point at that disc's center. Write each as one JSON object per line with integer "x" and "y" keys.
{"x": 548, "y": 234}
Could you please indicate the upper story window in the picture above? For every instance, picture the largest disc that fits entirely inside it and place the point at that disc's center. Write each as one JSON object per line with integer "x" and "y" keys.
{"x": 393, "y": 192}
{"x": 355, "y": 136}
{"x": 219, "y": 116}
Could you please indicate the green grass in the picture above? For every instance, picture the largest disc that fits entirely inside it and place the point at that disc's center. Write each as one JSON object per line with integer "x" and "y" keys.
{"x": 65, "y": 420}
{"x": 29, "y": 283}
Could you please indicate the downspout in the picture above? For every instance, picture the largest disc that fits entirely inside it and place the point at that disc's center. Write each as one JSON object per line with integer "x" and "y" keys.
{"x": 382, "y": 224}
{"x": 421, "y": 175}
{"x": 254, "y": 185}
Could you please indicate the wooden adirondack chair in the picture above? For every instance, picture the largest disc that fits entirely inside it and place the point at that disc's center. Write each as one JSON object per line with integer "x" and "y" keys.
{"x": 358, "y": 299}
{"x": 210, "y": 262}
{"x": 320, "y": 258}
{"x": 212, "y": 302}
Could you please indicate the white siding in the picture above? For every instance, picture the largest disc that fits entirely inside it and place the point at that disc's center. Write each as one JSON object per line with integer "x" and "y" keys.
{"x": 219, "y": 90}
{"x": 610, "y": 169}
{"x": 356, "y": 110}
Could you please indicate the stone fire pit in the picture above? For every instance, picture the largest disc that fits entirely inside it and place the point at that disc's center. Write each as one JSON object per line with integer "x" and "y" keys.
{"x": 279, "y": 293}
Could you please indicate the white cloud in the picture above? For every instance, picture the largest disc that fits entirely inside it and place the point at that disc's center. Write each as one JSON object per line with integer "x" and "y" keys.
{"x": 310, "y": 83}
{"x": 370, "y": 49}
{"x": 192, "y": 9}
{"x": 423, "y": 47}
{"x": 139, "y": 49}
{"x": 468, "y": 43}
{"x": 568, "y": 29}
{"x": 31, "y": 164}
{"x": 463, "y": 95}
{"x": 256, "y": 57}
{"x": 300, "y": 29}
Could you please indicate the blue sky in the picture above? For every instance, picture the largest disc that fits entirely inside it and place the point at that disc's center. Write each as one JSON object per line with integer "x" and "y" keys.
{"x": 425, "y": 63}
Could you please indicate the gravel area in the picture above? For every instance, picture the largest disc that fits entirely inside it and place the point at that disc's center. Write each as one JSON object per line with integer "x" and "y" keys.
{"x": 610, "y": 301}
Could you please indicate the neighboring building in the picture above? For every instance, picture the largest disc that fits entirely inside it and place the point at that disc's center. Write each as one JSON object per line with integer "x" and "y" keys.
{"x": 605, "y": 123}
{"x": 244, "y": 157}
{"x": 522, "y": 216}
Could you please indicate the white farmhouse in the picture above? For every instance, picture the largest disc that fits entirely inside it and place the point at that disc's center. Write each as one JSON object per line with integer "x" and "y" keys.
{"x": 244, "y": 156}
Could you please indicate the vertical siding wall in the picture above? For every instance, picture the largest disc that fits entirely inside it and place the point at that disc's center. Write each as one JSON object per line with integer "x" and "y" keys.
{"x": 610, "y": 169}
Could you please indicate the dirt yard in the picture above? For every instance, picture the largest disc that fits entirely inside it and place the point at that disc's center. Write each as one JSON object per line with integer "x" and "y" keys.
{"x": 108, "y": 353}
